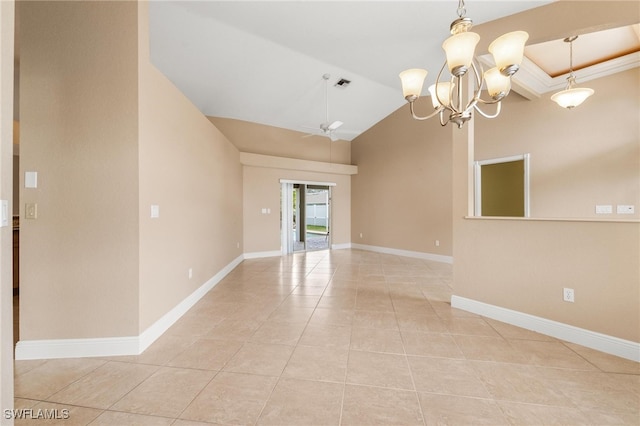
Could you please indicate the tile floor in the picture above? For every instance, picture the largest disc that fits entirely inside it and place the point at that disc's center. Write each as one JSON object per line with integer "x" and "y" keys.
{"x": 338, "y": 337}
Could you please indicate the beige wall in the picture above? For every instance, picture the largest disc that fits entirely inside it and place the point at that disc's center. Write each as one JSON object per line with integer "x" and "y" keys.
{"x": 261, "y": 183}
{"x": 579, "y": 158}
{"x": 7, "y": 11}
{"x": 402, "y": 192}
{"x": 262, "y": 190}
{"x": 587, "y": 155}
{"x": 79, "y": 131}
{"x": 268, "y": 140}
{"x": 193, "y": 173}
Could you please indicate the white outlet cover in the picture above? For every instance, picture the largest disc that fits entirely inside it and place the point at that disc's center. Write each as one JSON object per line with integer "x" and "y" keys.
{"x": 155, "y": 211}
{"x": 625, "y": 209}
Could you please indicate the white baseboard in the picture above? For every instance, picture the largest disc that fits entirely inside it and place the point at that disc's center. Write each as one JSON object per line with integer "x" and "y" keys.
{"x": 405, "y": 253}
{"x": 340, "y": 246}
{"x": 115, "y": 346}
{"x": 590, "y": 339}
{"x": 261, "y": 254}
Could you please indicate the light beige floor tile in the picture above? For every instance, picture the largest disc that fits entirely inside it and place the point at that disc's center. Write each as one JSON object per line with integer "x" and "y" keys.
{"x": 509, "y": 331}
{"x": 259, "y": 358}
{"x": 51, "y": 376}
{"x": 375, "y": 340}
{"x": 180, "y": 422}
{"x": 309, "y": 291}
{"x": 534, "y": 415}
{"x": 606, "y": 362}
{"x": 166, "y": 393}
{"x": 234, "y": 329}
{"x": 24, "y": 366}
{"x": 375, "y": 319}
{"x": 302, "y": 402}
{"x": 300, "y": 301}
{"x": 364, "y": 405}
{"x": 231, "y": 398}
{"x": 520, "y": 383}
{"x": 318, "y": 363}
{"x": 291, "y": 315}
{"x": 425, "y": 323}
{"x": 459, "y": 410}
{"x": 326, "y": 336}
{"x": 194, "y": 325}
{"x": 282, "y": 333}
{"x": 206, "y": 354}
{"x": 104, "y": 386}
{"x": 337, "y": 302}
{"x": 469, "y": 327}
{"x": 446, "y": 376}
{"x": 487, "y": 348}
{"x": 332, "y": 316}
{"x": 597, "y": 417}
{"x": 161, "y": 351}
{"x": 59, "y": 414}
{"x": 551, "y": 354}
{"x": 378, "y": 369}
{"x": 111, "y": 418}
{"x": 431, "y": 344}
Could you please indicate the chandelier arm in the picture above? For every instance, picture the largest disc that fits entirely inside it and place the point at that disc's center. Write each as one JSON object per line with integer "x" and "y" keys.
{"x": 478, "y": 86}
{"x": 485, "y": 115}
{"x": 416, "y": 117}
{"x": 442, "y": 120}
{"x": 436, "y": 91}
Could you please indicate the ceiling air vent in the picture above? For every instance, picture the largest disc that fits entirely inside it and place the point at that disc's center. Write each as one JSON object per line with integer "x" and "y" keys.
{"x": 343, "y": 82}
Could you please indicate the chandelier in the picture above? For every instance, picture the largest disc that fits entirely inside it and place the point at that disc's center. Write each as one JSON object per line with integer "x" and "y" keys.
{"x": 447, "y": 96}
{"x": 571, "y": 96}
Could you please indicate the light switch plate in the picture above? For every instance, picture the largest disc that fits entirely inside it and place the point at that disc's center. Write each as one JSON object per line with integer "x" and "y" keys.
{"x": 30, "y": 179}
{"x": 31, "y": 211}
{"x": 155, "y": 211}
{"x": 5, "y": 213}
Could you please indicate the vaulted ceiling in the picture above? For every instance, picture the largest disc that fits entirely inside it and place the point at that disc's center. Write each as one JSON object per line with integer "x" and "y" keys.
{"x": 263, "y": 61}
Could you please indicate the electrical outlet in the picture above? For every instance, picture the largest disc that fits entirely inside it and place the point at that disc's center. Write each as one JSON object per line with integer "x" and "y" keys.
{"x": 361, "y": 235}
{"x": 190, "y": 273}
{"x": 568, "y": 295}
{"x": 437, "y": 243}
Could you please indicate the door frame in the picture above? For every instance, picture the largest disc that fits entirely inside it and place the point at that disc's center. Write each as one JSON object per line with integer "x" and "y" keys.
{"x": 286, "y": 211}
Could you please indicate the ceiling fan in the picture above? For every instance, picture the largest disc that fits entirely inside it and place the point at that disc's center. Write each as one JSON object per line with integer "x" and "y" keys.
{"x": 326, "y": 128}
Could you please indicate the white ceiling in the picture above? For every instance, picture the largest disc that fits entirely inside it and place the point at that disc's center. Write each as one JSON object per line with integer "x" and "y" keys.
{"x": 263, "y": 61}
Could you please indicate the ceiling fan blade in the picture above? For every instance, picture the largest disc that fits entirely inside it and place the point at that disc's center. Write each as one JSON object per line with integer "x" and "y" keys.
{"x": 336, "y": 124}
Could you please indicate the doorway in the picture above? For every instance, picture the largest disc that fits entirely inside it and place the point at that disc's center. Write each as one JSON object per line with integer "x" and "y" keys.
{"x": 305, "y": 216}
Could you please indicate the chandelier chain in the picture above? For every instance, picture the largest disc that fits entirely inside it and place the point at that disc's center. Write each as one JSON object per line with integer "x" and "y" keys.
{"x": 461, "y": 9}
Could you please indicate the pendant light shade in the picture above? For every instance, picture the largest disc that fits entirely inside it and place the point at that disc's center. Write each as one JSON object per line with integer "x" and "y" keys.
{"x": 460, "y": 49}
{"x": 497, "y": 83}
{"x": 412, "y": 81}
{"x": 508, "y": 50}
{"x": 444, "y": 94}
{"x": 571, "y": 98}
